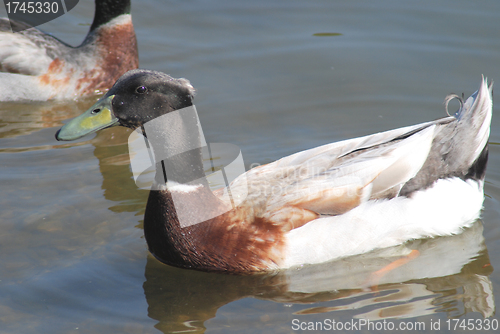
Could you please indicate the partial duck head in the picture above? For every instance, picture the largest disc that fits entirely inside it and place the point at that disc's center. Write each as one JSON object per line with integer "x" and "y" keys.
{"x": 138, "y": 97}
{"x": 135, "y": 100}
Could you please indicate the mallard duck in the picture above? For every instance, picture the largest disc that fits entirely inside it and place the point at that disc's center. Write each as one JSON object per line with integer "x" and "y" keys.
{"x": 37, "y": 66}
{"x": 317, "y": 205}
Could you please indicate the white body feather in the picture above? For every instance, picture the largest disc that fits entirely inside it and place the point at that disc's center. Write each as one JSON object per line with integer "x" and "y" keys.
{"x": 443, "y": 209}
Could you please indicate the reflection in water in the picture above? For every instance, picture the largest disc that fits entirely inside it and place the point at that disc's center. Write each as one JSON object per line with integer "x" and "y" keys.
{"x": 20, "y": 119}
{"x": 450, "y": 276}
{"x": 111, "y": 148}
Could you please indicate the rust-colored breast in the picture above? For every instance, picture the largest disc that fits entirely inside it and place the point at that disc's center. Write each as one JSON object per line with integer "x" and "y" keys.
{"x": 239, "y": 242}
{"x": 235, "y": 241}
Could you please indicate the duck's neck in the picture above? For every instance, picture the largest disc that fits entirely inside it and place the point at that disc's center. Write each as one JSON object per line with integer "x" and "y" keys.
{"x": 106, "y": 10}
{"x": 177, "y": 141}
{"x": 179, "y": 219}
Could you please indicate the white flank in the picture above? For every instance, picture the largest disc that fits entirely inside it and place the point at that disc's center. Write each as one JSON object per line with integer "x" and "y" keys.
{"x": 23, "y": 87}
{"x": 444, "y": 209}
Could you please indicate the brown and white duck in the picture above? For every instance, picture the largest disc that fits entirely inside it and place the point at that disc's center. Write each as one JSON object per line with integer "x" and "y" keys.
{"x": 324, "y": 203}
{"x": 38, "y": 66}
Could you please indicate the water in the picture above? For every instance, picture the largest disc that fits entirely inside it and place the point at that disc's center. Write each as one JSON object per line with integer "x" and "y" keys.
{"x": 72, "y": 254}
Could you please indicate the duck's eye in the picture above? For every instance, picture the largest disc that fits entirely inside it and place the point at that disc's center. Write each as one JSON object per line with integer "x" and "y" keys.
{"x": 141, "y": 89}
{"x": 96, "y": 111}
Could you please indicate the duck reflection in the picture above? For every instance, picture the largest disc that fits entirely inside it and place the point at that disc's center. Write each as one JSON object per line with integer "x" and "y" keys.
{"x": 111, "y": 149}
{"x": 449, "y": 276}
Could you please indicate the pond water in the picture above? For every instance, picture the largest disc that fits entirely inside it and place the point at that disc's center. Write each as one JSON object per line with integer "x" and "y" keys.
{"x": 274, "y": 78}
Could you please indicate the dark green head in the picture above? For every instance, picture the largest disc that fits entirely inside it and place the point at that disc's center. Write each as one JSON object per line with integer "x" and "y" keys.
{"x": 136, "y": 98}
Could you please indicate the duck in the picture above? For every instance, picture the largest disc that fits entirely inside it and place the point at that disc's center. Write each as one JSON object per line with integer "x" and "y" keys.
{"x": 318, "y": 205}
{"x": 39, "y": 67}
